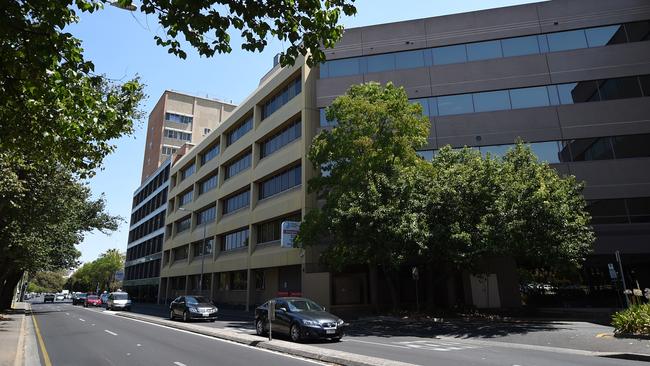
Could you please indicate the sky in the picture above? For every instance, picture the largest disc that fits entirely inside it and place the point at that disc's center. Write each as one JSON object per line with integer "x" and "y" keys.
{"x": 121, "y": 45}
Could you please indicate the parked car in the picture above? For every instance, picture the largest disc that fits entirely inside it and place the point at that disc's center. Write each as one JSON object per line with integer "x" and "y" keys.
{"x": 60, "y": 297}
{"x": 48, "y": 297}
{"x": 92, "y": 300}
{"x": 118, "y": 300}
{"x": 79, "y": 299}
{"x": 300, "y": 319}
{"x": 104, "y": 298}
{"x": 192, "y": 307}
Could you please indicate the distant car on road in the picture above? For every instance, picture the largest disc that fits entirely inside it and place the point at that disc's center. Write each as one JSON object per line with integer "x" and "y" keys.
{"x": 118, "y": 300}
{"x": 92, "y": 300}
{"x": 192, "y": 307}
{"x": 48, "y": 297}
{"x": 104, "y": 298}
{"x": 79, "y": 299}
{"x": 60, "y": 297}
{"x": 300, "y": 319}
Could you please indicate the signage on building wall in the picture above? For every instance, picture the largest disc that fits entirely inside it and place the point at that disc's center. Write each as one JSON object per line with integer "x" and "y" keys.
{"x": 119, "y": 275}
{"x": 289, "y": 232}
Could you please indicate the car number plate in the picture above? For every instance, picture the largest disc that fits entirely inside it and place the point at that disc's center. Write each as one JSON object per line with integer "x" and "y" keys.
{"x": 206, "y": 314}
{"x": 330, "y": 331}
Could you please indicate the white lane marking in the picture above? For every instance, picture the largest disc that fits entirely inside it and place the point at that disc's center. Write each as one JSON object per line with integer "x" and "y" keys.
{"x": 67, "y": 313}
{"x": 138, "y": 345}
{"x": 82, "y": 320}
{"x": 227, "y": 341}
{"x": 92, "y": 325}
{"x": 179, "y": 364}
{"x": 109, "y": 332}
{"x": 376, "y": 343}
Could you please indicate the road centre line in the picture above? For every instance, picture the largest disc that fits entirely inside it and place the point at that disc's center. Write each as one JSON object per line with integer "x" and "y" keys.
{"x": 179, "y": 364}
{"x": 82, "y": 320}
{"x": 109, "y": 332}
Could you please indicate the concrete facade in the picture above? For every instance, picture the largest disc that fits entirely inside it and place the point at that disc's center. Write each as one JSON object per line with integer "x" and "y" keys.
{"x": 205, "y": 115}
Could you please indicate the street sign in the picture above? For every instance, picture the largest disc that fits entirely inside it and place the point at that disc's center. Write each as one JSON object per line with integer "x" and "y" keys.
{"x": 289, "y": 232}
{"x": 612, "y": 271}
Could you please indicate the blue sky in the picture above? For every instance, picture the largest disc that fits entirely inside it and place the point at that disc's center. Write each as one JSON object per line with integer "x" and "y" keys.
{"x": 121, "y": 45}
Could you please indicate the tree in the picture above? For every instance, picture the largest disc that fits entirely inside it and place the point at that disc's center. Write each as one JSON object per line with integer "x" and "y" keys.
{"x": 46, "y": 281}
{"x": 373, "y": 184}
{"x": 98, "y": 273}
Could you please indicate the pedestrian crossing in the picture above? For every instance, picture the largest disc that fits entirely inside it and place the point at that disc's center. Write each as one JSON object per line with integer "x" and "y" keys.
{"x": 437, "y": 345}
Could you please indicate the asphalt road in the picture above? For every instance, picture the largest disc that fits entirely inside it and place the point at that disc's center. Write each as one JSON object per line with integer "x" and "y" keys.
{"x": 74, "y": 335}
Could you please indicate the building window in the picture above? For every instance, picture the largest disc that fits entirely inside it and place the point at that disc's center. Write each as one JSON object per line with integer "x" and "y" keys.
{"x": 239, "y": 131}
{"x": 180, "y": 253}
{"x": 280, "y": 139}
{"x": 324, "y": 122}
{"x": 177, "y": 135}
{"x": 280, "y": 182}
{"x": 238, "y": 281}
{"x": 260, "y": 280}
{"x": 236, "y": 202}
{"x": 271, "y": 230}
{"x": 173, "y": 117}
{"x": 185, "y": 198}
{"x": 210, "y": 154}
{"x": 235, "y": 240}
{"x": 238, "y": 166}
{"x": 187, "y": 171}
{"x": 223, "y": 281}
{"x": 620, "y": 210}
{"x": 206, "y": 131}
{"x": 492, "y": 49}
{"x": 169, "y": 150}
{"x": 282, "y": 97}
{"x": 206, "y": 216}
{"x": 208, "y": 184}
{"x": 197, "y": 247}
{"x": 183, "y": 225}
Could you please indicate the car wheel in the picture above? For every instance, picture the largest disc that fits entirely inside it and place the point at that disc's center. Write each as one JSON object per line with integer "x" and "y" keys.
{"x": 171, "y": 315}
{"x": 259, "y": 328}
{"x": 336, "y": 339}
{"x": 212, "y": 320}
{"x": 185, "y": 317}
{"x": 295, "y": 333}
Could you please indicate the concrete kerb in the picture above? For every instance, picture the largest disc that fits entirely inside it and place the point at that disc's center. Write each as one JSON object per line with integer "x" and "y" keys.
{"x": 294, "y": 349}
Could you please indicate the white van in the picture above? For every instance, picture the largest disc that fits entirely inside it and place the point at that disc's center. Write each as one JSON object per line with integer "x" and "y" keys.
{"x": 118, "y": 300}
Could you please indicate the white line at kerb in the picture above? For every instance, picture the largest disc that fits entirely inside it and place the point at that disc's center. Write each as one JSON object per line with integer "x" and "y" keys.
{"x": 109, "y": 332}
{"x": 179, "y": 364}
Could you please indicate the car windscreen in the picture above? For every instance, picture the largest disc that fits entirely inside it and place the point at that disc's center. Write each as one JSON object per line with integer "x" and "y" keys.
{"x": 120, "y": 296}
{"x": 82, "y": 295}
{"x": 196, "y": 299}
{"x": 92, "y": 297}
{"x": 304, "y": 305}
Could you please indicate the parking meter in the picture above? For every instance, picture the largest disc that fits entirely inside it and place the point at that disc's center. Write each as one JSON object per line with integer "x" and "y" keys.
{"x": 271, "y": 317}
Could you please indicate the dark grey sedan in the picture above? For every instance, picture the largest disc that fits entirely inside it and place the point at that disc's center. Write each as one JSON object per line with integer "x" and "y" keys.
{"x": 192, "y": 307}
{"x": 300, "y": 319}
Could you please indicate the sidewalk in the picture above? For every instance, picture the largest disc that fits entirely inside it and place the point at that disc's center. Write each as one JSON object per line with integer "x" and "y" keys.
{"x": 17, "y": 339}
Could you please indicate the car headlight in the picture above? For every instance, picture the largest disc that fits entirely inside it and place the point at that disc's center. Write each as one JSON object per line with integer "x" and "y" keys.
{"x": 311, "y": 323}
{"x": 340, "y": 322}
{"x": 194, "y": 310}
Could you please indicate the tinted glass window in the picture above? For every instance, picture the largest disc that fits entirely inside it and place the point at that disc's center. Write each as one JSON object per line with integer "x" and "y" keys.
{"x": 495, "y": 151}
{"x": 449, "y": 55}
{"x": 424, "y": 102}
{"x": 529, "y": 97}
{"x": 483, "y": 50}
{"x": 553, "y": 95}
{"x": 639, "y": 209}
{"x": 426, "y": 154}
{"x": 543, "y": 43}
{"x": 607, "y": 211}
{"x": 343, "y": 67}
{"x": 631, "y": 146}
{"x": 520, "y": 46}
{"x": 638, "y": 31}
{"x": 378, "y": 63}
{"x": 410, "y": 59}
{"x": 591, "y": 149}
{"x": 584, "y": 91}
{"x": 455, "y": 104}
{"x": 645, "y": 84}
{"x": 569, "y": 40}
{"x": 491, "y": 101}
{"x": 620, "y": 88}
{"x": 547, "y": 151}
{"x": 602, "y": 36}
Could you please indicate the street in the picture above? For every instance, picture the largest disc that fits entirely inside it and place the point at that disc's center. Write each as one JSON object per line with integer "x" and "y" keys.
{"x": 74, "y": 335}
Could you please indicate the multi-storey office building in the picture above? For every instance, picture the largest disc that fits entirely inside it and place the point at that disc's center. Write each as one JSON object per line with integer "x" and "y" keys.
{"x": 572, "y": 77}
{"x": 146, "y": 235}
{"x": 568, "y": 76}
{"x": 177, "y": 119}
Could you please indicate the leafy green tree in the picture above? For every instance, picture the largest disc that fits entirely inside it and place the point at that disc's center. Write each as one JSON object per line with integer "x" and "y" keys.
{"x": 373, "y": 184}
{"x": 98, "y": 273}
{"x": 47, "y": 281}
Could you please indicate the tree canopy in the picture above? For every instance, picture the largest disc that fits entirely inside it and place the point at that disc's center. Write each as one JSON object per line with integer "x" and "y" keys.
{"x": 98, "y": 273}
{"x": 384, "y": 206}
{"x": 46, "y": 281}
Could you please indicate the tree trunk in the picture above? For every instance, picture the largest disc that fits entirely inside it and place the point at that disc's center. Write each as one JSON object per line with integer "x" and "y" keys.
{"x": 392, "y": 289}
{"x": 8, "y": 289}
{"x": 374, "y": 289}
